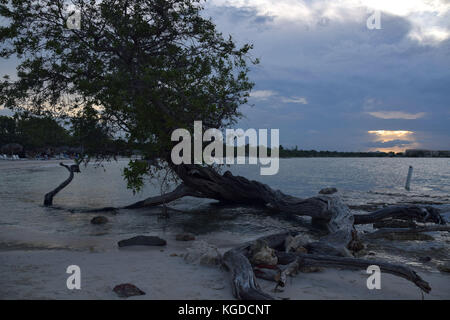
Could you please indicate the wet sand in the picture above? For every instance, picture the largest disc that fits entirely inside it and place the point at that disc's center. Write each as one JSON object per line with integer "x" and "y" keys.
{"x": 40, "y": 273}
{"x": 33, "y": 265}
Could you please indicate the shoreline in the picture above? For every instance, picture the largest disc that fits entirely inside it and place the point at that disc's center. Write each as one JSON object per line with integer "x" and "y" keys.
{"x": 40, "y": 274}
{"x": 33, "y": 263}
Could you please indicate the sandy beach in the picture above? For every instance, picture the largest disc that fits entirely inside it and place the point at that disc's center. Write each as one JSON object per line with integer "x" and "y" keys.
{"x": 34, "y": 273}
{"x": 37, "y": 247}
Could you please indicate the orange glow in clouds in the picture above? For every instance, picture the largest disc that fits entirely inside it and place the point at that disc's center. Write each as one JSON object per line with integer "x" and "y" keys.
{"x": 391, "y": 135}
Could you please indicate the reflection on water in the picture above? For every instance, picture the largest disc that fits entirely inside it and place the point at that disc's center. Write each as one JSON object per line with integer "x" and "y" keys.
{"x": 362, "y": 181}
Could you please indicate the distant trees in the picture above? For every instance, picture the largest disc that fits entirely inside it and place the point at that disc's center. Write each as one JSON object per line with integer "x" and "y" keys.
{"x": 296, "y": 153}
{"x": 84, "y": 132}
{"x": 90, "y": 133}
{"x": 32, "y": 132}
{"x": 40, "y": 132}
{"x": 7, "y": 130}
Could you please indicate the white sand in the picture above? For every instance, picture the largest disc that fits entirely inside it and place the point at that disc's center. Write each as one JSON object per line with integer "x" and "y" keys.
{"x": 33, "y": 266}
{"x": 41, "y": 274}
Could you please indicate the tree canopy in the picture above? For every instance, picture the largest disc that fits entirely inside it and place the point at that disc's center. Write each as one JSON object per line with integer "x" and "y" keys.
{"x": 147, "y": 66}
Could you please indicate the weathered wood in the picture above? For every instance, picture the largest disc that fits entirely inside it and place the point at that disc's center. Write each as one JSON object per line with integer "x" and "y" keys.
{"x": 414, "y": 213}
{"x": 381, "y": 233}
{"x": 48, "y": 198}
{"x": 243, "y": 280}
{"x": 340, "y": 228}
{"x": 243, "y": 274}
{"x": 270, "y": 274}
{"x": 205, "y": 182}
{"x": 394, "y": 223}
{"x": 179, "y": 192}
{"x": 352, "y": 263}
{"x": 289, "y": 270}
{"x": 239, "y": 190}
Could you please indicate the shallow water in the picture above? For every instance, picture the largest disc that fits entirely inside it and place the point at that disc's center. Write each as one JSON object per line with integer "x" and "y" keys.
{"x": 362, "y": 181}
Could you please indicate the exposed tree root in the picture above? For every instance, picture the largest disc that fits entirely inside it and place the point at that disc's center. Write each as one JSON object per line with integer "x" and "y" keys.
{"x": 48, "y": 198}
{"x": 204, "y": 182}
{"x": 381, "y": 233}
{"x": 243, "y": 279}
{"x": 414, "y": 213}
{"x": 179, "y": 192}
{"x": 244, "y": 284}
{"x": 311, "y": 260}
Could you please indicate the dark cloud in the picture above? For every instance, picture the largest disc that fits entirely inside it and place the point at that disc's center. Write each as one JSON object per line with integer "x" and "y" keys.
{"x": 338, "y": 66}
{"x": 343, "y": 70}
{"x": 388, "y": 144}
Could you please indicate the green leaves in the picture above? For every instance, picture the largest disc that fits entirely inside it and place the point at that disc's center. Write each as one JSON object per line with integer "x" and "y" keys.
{"x": 150, "y": 66}
{"x": 134, "y": 174}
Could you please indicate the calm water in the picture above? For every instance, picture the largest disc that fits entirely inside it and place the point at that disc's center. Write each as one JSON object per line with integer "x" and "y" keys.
{"x": 375, "y": 181}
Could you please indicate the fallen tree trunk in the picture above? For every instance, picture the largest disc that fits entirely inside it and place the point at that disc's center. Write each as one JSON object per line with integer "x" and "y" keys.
{"x": 243, "y": 279}
{"x": 48, "y": 198}
{"x": 179, "y": 192}
{"x": 414, "y": 213}
{"x": 381, "y": 233}
{"x": 204, "y": 182}
{"x": 243, "y": 273}
{"x": 244, "y": 284}
{"x": 311, "y": 260}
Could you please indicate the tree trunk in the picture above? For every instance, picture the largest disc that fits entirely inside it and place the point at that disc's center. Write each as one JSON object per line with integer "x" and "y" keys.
{"x": 311, "y": 260}
{"x": 48, "y": 198}
{"x": 204, "y": 182}
{"x": 415, "y": 213}
{"x": 243, "y": 273}
{"x": 243, "y": 279}
{"x": 381, "y": 233}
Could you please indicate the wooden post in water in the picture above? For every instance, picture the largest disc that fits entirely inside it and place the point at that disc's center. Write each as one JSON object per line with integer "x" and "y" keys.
{"x": 408, "y": 178}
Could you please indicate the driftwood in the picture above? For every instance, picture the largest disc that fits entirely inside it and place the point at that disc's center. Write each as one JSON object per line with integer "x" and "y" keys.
{"x": 415, "y": 213}
{"x": 311, "y": 260}
{"x": 48, "y": 198}
{"x": 326, "y": 210}
{"x": 381, "y": 233}
{"x": 243, "y": 273}
{"x": 243, "y": 279}
{"x": 179, "y": 192}
{"x": 204, "y": 182}
{"x": 394, "y": 223}
{"x": 340, "y": 234}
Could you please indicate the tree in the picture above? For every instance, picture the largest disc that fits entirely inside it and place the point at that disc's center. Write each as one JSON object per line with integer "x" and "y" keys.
{"x": 36, "y": 132}
{"x": 152, "y": 66}
{"x": 91, "y": 134}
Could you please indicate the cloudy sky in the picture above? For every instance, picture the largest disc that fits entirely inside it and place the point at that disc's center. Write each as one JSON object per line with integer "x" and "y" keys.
{"x": 328, "y": 82}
